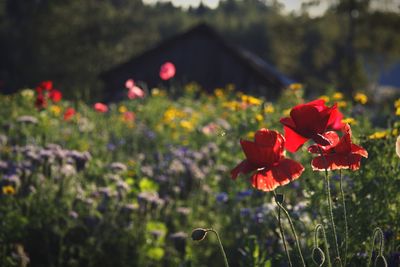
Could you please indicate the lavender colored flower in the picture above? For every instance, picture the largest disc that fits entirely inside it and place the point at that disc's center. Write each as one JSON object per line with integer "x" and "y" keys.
{"x": 245, "y": 212}
{"x": 221, "y": 197}
{"x": 243, "y": 194}
{"x": 118, "y": 167}
{"x": 73, "y": 214}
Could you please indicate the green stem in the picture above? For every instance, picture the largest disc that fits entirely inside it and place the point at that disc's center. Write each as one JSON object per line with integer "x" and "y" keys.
{"x": 294, "y": 232}
{"x": 282, "y": 233}
{"x": 326, "y": 245}
{"x": 346, "y": 229}
{"x": 330, "y": 209}
{"x": 220, "y": 246}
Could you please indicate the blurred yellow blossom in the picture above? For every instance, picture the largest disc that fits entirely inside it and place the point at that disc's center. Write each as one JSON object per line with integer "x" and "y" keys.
{"x": 349, "y": 121}
{"x": 8, "y": 190}
{"x": 232, "y": 105}
{"x": 378, "y": 135}
{"x": 337, "y": 96}
{"x": 172, "y": 113}
{"x": 250, "y": 135}
{"x": 325, "y": 98}
{"x": 286, "y": 112}
{"x": 395, "y": 132}
{"x": 122, "y": 109}
{"x": 397, "y": 103}
{"x": 342, "y": 104}
{"x": 398, "y": 111}
{"x": 259, "y": 117}
{"x": 56, "y": 110}
{"x": 230, "y": 87}
{"x": 158, "y": 92}
{"x": 219, "y": 92}
{"x": 28, "y": 93}
{"x": 269, "y": 108}
{"x": 295, "y": 86}
{"x": 361, "y": 98}
{"x": 187, "y": 125}
{"x": 251, "y": 100}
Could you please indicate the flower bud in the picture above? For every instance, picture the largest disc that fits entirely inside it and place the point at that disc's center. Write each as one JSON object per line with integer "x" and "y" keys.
{"x": 318, "y": 256}
{"x": 199, "y": 234}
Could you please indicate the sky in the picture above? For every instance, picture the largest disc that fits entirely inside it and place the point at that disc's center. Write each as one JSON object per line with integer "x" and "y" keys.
{"x": 290, "y": 5}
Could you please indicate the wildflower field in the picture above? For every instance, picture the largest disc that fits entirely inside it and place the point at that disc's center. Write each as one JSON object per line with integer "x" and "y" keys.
{"x": 294, "y": 182}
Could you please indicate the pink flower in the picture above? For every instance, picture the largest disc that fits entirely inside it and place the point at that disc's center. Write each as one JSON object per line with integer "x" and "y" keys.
{"x": 167, "y": 71}
{"x": 129, "y": 83}
{"x": 135, "y": 92}
{"x": 100, "y": 107}
{"x": 129, "y": 116}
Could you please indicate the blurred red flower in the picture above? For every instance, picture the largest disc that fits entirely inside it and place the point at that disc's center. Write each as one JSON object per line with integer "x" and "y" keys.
{"x": 340, "y": 154}
{"x": 100, "y": 107}
{"x": 167, "y": 71}
{"x": 40, "y": 102}
{"x": 310, "y": 121}
{"x": 129, "y": 83}
{"x": 135, "y": 92}
{"x": 69, "y": 113}
{"x": 46, "y": 85}
{"x": 266, "y": 156}
{"x": 129, "y": 116}
{"x": 55, "y": 95}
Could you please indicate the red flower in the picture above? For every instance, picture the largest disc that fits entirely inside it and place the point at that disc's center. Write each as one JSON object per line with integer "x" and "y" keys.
{"x": 135, "y": 92}
{"x": 55, "y": 95}
{"x": 129, "y": 83}
{"x": 40, "y": 102}
{"x": 167, "y": 71}
{"x": 69, "y": 113}
{"x": 310, "y": 121}
{"x": 46, "y": 85}
{"x": 340, "y": 154}
{"x": 265, "y": 156}
{"x": 100, "y": 107}
{"x": 129, "y": 116}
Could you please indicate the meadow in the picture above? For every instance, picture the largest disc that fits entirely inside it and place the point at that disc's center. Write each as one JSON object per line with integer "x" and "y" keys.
{"x": 125, "y": 184}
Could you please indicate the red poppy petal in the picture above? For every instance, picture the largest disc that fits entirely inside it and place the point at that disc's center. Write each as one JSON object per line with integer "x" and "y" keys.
{"x": 243, "y": 167}
{"x": 321, "y": 140}
{"x": 355, "y": 149}
{"x": 293, "y": 140}
{"x": 259, "y": 156}
{"x": 288, "y": 122}
{"x": 336, "y": 162}
{"x": 309, "y": 120}
{"x": 318, "y": 103}
{"x": 268, "y": 179}
{"x": 335, "y": 119}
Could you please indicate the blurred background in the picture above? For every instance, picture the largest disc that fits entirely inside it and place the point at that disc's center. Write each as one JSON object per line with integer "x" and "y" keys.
{"x": 345, "y": 44}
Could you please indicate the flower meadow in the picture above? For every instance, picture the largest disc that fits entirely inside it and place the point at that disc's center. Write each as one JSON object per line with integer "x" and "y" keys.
{"x": 292, "y": 182}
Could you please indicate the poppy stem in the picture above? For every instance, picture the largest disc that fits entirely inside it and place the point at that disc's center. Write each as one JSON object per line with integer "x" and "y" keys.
{"x": 377, "y": 235}
{"x": 220, "y": 246}
{"x": 282, "y": 232}
{"x": 293, "y": 231}
{"x": 330, "y": 209}
{"x": 346, "y": 229}
{"x": 318, "y": 228}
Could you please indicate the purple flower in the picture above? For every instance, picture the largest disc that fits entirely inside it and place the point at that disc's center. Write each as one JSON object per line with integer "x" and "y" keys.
{"x": 221, "y": 197}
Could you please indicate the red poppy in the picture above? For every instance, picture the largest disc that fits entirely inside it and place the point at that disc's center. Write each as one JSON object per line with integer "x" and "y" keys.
{"x": 46, "y": 85}
{"x": 266, "y": 156}
{"x": 100, "y": 107}
{"x": 167, "y": 71}
{"x": 129, "y": 116}
{"x": 69, "y": 113}
{"x": 129, "y": 83}
{"x": 55, "y": 95}
{"x": 40, "y": 102}
{"x": 310, "y": 121}
{"x": 340, "y": 154}
{"x": 135, "y": 92}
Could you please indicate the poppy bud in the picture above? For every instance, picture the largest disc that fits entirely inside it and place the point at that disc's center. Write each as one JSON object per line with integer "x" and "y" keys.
{"x": 279, "y": 198}
{"x": 199, "y": 234}
{"x": 318, "y": 256}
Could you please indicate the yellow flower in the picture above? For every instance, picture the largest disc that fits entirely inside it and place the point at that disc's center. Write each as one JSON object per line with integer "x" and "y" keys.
{"x": 398, "y": 111}
{"x": 259, "y": 117}
{"x": 171, "y": 114}
{"x": 342, "y": 104}
{"x": 8, "y": 190}
{"x": 28, "y": 93}
{"x": 250, "y": 135}
{"x": 232, "y": 105}
{"x": 158, "y": 92}
{"x": 325, "y": 98}
{"x": 295, "y": 86}
{"x": 378, "y": 135}
{"x": 219, "y": 92}
{"x": 56, "y": 110}
{"x": 361, "y": 98}
{"x": 230, "y": 87}
{"x": 286, "y": 112}
{"x": 397, "y": 103}
{"x": 122, "y": 109}
{"x": 395, "y": 132}
{"x": 251, "y": 100}
{"x": 269, "y": 108}
{"x": 349, "y": 121}
{"x": 187, "y": 125}
{"x": 337, "y": 96}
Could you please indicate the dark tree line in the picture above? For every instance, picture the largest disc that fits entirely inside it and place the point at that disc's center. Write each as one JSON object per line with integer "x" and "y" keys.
{"x": 71, "y": 42}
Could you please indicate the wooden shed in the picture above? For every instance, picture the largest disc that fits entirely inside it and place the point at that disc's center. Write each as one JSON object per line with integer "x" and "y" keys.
{"x": 201, "y": 55}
